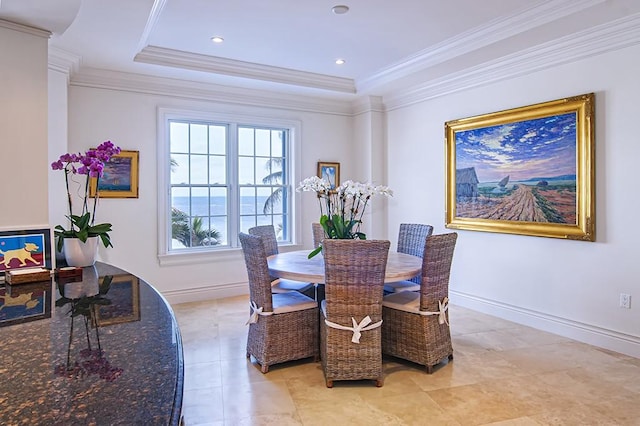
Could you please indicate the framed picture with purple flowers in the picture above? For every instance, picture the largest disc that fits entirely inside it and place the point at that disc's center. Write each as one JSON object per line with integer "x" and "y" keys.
{"x": 119, "y": 178}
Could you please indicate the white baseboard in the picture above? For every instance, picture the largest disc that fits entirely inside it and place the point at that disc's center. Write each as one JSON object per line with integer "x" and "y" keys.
{"x": 206, "y": 293}
{"x": 609, "y": 339}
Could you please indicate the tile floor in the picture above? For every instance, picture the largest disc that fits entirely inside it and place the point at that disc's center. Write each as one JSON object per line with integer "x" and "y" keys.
{"x": 503, "y": 374}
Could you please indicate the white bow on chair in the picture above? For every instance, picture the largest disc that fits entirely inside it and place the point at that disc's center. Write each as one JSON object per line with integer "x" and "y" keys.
{"x": 255, "y": 312}
{"x": 357, "y": 328}
{"x": 442, "y": 309}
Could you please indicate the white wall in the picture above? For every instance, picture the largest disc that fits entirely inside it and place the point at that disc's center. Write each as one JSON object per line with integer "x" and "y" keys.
{"x": 23, "y": 127}
{"x": 58, "y": 109}
{"x": 368, "y": 146}
{"x": 568, "y": 287}
{"x": 129, "y": 120}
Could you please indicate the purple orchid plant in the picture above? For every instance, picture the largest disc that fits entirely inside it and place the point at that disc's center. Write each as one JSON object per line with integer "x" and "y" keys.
{"x": 91, "y": 165}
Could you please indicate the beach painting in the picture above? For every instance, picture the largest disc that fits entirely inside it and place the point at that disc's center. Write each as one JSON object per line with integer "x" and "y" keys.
{"x": 119, "y": 178}
{"x": 526, "y": 171}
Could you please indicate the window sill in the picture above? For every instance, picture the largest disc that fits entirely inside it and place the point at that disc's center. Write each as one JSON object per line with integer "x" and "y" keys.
{"x": 198, "y": 257}
{"x": 222, "y": 255}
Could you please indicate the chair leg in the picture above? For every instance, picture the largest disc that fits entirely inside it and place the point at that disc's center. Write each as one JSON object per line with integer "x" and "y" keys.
{"x": 329, "y": 383}
{"x": 429, "y": 369}
{"x": 379, "y": 383}
{"x": 264, "y": 369}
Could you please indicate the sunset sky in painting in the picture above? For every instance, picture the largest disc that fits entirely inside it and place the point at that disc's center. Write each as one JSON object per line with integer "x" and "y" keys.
{"x": 544, "y": 147}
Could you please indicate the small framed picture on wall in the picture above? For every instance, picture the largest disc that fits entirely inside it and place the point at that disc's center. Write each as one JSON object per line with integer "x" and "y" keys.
{"x": 329, "y": 172}
{"x": 120, "y": 177}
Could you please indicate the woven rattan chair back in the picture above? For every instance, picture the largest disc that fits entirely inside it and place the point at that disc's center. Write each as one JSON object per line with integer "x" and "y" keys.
{"x": 318, "y": 233}
{"x": 270, "y": 242}
{"x": 354, "y": 277}
{"x": 257, "y": 271}
{"x": 269, "y": 238}
{"x": 411, "y": 240}
{"x": 436, "y": 270}
{"x": 421, "y": 334}
{"x": 281, "y": 335}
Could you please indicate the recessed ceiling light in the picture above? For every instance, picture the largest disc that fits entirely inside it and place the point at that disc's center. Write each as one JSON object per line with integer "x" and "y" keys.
{"x": 217, "y": 39}
{"x": 340, "y": 61}
{"x": 340, "y": 9}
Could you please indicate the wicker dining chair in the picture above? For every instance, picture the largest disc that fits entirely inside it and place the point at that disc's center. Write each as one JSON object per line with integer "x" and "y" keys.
{"x": 281, "y": 285}
{"x": 350, "y": 333}
{"x": 416, "y": 324}
{"x": 318, "y": 234}
{"x": 411, "y": 240}
{"x": 283, "y": 326}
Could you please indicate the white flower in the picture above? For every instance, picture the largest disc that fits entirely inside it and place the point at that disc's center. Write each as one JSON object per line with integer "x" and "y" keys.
{"x": 349, "y": 188}
{"x": 342, "y": 209}
{"x": 315, "y": 184}
{"x": 353, "y": 189}
{"x": 383, "y": 190}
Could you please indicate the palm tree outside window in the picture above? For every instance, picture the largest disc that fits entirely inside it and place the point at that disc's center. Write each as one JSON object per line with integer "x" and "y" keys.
{"x": 224, "y": 179}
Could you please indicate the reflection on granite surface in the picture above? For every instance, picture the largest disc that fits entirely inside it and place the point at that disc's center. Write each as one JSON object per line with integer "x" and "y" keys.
{"x": 127, "y": 372}
{"x": 24, "y": 302}
{"x": 84, "y": 298}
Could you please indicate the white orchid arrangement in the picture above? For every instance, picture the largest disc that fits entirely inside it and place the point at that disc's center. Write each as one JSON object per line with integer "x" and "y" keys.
{"x": 341, "y": 209}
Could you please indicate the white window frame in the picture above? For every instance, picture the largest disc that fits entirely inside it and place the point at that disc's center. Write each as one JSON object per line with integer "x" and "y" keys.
{"x": 200, "y": 255}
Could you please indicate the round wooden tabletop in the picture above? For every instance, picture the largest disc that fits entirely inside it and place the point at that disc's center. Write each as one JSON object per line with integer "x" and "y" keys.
{"x": 295, "y": 265}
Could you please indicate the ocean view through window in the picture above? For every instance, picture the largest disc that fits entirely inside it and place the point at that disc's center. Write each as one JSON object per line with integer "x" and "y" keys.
{"x": 223, "y": 178}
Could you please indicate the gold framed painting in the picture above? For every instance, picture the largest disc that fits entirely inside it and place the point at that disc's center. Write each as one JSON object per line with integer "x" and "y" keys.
{"x": 119, "y": 178}
{"x": 528, "y": 170}
{"x": 329, "y": 172}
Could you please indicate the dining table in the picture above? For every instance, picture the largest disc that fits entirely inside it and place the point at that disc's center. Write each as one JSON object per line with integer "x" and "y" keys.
{"x": 295, "y": 265}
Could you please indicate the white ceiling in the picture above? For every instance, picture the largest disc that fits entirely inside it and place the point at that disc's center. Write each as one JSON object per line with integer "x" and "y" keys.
{"x": 291, "y": 45}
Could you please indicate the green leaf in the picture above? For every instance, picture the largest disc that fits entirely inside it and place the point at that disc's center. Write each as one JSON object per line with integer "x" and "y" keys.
{"x": 106, "y": 240}
{"x": 315, "y": 252}
{"x": 100, "y": 228}
{"x": 105, "y": 285}
{"x": 101, "y": 301}
{"x": 81, "y": 229}
{"x": 339, "y": 226}
{"x": 62, "y": 301}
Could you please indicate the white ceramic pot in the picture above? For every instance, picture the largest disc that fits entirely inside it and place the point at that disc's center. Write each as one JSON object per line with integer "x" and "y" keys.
{"x": 80, "y": 254}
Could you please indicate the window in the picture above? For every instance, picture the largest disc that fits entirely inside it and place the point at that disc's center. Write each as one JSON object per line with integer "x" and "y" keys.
{"x": 222, "y": 177}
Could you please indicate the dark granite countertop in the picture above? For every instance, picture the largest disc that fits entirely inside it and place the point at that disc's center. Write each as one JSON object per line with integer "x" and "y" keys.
{"x": 126, "y": 371}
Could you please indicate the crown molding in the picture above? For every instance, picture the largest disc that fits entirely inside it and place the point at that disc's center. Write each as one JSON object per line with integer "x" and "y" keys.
{"x": 216, "y": 65}
{"x": 595, "y": 41}
{"x": 24, "y": 28}
{"x": 367, "y": 104}
{"x": 156, "y": 10}
{"x": 476, "y": 38}
{"x": 140, "y": 83}
{"x": 63, "y": 61}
